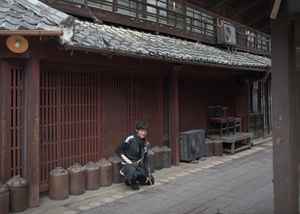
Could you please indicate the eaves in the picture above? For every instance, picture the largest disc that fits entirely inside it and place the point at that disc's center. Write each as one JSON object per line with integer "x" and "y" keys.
{"x": 33, "y": 15}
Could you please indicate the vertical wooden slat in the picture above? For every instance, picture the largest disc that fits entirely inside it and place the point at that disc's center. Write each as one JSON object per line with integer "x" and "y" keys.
{"x": 245, "y": 101}
{"x": 267, "y": 109}
{"x": 32, "y": 134}
{"x": 166, "y": 92}
{"x": 174, "y": 108}
{"x": 160, "y": 105}
{"x": 5, "y": 105}
{"x": 60, "y": 128}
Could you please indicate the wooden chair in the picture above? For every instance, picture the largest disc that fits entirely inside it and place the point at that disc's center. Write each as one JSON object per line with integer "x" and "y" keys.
{"x": 225, "y": 111}
{"x": 238, "y": 123}
{"x": 216, "y": 123}
{"x": 231, "y": 125}
{"x": 234, "y": 122}
{"x": 219, "y": 125}
{"x": 217, "y": 111}
{"x": 210, "y": 114}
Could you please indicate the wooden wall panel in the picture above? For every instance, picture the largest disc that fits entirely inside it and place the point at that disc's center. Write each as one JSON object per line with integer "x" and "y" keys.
{"x": 86, "y": 115}
{"x": 196, "y": 94}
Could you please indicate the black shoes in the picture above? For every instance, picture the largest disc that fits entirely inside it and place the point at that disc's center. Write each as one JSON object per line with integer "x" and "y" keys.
{"x": 126, "y": 183}
{"x": 134, "y": 185}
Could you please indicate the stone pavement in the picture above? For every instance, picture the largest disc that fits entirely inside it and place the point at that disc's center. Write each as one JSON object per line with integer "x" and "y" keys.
{"x": 230, "y": 184}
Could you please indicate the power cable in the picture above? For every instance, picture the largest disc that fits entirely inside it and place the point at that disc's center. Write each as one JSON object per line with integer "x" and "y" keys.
{"x": 95, "y": 21}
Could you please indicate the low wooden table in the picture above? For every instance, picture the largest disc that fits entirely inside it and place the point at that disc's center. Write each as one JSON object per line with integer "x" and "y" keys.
{"x": 232, "y": 139}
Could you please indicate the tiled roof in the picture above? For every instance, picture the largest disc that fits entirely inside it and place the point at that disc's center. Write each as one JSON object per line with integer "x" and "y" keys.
{"x": 35, "y": 15}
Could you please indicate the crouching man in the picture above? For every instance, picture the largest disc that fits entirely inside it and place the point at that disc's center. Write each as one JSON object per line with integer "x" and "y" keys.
{"x": 133, "y": 150}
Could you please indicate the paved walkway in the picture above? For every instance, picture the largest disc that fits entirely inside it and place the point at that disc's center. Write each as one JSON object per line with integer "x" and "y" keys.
{"x": 231, "y": 184}
{"x": 241, "y": 185}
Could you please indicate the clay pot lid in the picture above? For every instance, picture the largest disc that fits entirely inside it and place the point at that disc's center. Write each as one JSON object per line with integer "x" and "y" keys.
{"x": 17, "y": 181}
{"x": 3, "y": 189}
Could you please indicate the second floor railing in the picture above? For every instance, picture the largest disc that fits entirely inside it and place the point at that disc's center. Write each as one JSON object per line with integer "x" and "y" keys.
{"x": 159, "y": 16}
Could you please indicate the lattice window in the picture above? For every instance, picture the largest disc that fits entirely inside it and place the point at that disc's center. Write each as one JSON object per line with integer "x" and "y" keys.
{"x": 69, "y": 120}
{"x": 125, "y": 100}
{"x": 199, "y": 22}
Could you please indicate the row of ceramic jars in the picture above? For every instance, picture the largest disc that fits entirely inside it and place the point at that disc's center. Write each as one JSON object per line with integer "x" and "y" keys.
{"x": 76, "y": 179}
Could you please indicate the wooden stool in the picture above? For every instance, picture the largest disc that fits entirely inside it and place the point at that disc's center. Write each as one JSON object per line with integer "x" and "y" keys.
{"x": 217, "y": 148}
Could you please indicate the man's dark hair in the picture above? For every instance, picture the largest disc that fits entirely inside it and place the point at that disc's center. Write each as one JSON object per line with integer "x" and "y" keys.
{"x": 141, "y": 125}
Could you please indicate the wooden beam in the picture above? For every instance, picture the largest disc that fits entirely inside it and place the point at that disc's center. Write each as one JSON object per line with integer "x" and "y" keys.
{"x": 213, "y": 4}
{"x": 294, "y": 16}
{"x": 174, "y": 117}
{"x": 241, "y": 8}
{"x": 256, "y": 16}
{"x": 32, "y": 129}
{"x": 5, "y": 104}
{"x": 275, "y": 9}
{"x": 160, "y": 104}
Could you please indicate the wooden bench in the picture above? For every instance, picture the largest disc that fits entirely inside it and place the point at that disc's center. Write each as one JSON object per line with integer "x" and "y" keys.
{"x": 232, "y": 140}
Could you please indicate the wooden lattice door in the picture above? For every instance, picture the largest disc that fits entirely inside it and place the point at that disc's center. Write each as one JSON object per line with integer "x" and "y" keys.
{"x": 12, "y": 124}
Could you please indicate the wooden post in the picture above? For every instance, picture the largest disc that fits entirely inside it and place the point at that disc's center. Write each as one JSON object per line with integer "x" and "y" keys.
{"x": 246, "y": 105}
{"x": 174, "y": 117}
{"x": 267, "y": 106}
{"x": 285, "y": 110}
{"x": 32, "y": 129}
{"x": 160, "y": 105}
{"x": 5, "y": 104}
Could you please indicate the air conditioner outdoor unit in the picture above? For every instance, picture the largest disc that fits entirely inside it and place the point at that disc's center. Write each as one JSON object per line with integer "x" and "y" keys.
{"x": 192, "y": 145}
{"x": 226, "y": 35}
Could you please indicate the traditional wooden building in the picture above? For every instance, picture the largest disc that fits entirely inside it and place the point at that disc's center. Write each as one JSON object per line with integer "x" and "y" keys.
{"x": 75, "y": 77}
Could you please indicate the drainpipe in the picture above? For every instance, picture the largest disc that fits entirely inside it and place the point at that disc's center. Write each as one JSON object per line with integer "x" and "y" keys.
{"x": 31, "y": 32}
{"x": 268, "y": 70}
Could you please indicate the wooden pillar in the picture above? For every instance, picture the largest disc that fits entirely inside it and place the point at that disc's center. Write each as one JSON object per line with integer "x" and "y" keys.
{"x": 174, "y": 117}
{"x": 267, "y": 106}
{"x": 285, "y": 109}
{"x": 5, "y": 103}
{"x": 160, "y": 108}
{"x": 32, "y": 129}
{"x": 242, "y": 90}
{"x": 246, "y": 105}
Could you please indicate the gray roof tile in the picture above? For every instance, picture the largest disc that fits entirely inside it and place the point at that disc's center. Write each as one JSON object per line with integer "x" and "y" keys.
{"x": 33, "y": 20}
{"x": 4, "y": 25}
{"x": 4, "y": 9}
{"x": 35, "y": 15}
{"x": 12, "y": 20}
